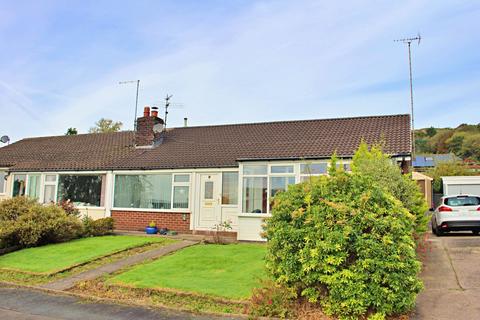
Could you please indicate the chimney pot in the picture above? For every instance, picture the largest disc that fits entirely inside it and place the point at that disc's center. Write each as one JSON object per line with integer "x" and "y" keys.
{"x": 185, "y": 122}
{"x": 146, "y": 111}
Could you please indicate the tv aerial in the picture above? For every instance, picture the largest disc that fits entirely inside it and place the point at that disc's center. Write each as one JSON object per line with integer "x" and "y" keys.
{"x": 5, "y": 139}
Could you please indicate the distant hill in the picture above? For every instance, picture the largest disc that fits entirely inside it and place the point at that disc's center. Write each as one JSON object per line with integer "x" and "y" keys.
{"x": 464, "y": 141}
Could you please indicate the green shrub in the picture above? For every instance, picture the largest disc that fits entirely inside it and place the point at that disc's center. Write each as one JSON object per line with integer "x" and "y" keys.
{"x": 346, "y": 243}
{"x": 373, "y": 163}
{"x": 32, "y": 224}
{"x": 100, "y": 227}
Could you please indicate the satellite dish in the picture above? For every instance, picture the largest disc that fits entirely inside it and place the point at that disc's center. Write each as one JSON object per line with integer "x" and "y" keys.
{"x": 5, "y": 139}
{"x": 158, "y": 128}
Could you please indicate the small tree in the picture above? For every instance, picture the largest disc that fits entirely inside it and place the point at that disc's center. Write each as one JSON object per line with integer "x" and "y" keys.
{"x": 106, "y": 125}
{"x": 345, "y": 243}
{"x": 71, "y": 131}
{"x": 431, "y": 131}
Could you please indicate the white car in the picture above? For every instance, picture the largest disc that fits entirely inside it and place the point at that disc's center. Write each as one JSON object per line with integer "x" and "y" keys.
{"x": 457, "y": 213}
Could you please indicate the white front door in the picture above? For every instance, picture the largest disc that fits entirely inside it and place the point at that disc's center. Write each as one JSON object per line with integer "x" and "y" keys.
{"x": 210, "y": 200}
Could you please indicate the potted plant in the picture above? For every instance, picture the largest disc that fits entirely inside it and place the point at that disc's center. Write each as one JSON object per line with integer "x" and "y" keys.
{"x": 151, "y": 228}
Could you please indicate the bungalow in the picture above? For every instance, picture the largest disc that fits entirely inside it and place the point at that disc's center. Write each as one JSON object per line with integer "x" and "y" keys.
{"x": 189, "y": 179}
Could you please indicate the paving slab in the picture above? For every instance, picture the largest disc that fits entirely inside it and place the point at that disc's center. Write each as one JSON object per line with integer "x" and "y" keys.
{"x": 67, "y": 283}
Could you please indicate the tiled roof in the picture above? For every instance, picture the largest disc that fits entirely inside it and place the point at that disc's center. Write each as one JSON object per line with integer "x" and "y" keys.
{"x": 210, "y": 146}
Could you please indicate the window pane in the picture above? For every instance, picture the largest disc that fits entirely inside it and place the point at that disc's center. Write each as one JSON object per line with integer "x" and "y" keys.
{"x": 151, "y": 191}
{"x": 230, "y": 188}
{"x": 254, "y": 169}
{"x": 181, "y": 178}
{"x": 255, "y": 195}
{"x": 19, "y": 185}
{"x": 281, "y": 169}
{"x": 208, "y": 190}
{"x": 81, "y": 190}
{"x": 50, "y": 178}
{"x": 278, "y": 184}
{"x": 34, "y": 186}
{"x": 2, "y": 182}
{"x": 49, "y": 194}
{"x": 313, "y": 168}
{"x": 180, "y": 197}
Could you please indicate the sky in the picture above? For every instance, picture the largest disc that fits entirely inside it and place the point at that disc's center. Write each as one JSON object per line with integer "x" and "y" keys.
{"x": 234, "y": 61}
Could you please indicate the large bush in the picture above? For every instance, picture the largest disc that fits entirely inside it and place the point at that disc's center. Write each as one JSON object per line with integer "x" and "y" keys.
{"x": 373, "y": 163}
{"x": 346, "y": 243}
{"x": 26, "y": 223}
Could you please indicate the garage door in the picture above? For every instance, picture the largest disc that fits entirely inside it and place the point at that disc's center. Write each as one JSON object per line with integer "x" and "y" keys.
{"x": 454, "y": 189}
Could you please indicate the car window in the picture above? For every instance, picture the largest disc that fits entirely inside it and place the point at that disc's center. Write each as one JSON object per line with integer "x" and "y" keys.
{"x": 462, "y": 201}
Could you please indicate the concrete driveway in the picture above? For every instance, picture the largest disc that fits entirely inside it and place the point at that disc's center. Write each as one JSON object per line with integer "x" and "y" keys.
{"x": 452, "y": 278}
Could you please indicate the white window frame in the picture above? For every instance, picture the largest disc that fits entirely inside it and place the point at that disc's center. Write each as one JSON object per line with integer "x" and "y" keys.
{"x": 154, "y": 172}
{"x": 181, "y": 184}
{"x": 49, "y": 183}
{"x": 221, "y": 188}
{"x": 4, "y": 191}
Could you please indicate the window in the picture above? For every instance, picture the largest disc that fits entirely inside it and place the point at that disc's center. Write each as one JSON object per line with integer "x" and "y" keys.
{"x": 82, "y": 190}
{"x": 19, "y": 185}
{"x": 2, "y": 182}
{"x": 50, "y": 185}
{"x": 33, "y": 186}
{"x": 152, "y": 191}
{"x": 281, "y": 169}
{"x": 254, "y": 169}
{"x": 461, "y": 201}
{"x": 208, "y": 190}
{"x": 255, "y": 194}
{"x": 181, "y": 190}
{"x": 313, "y": 168}
{"x": 230, "y": 188}
{"x": 278, "y": 184}
{"x": 180, "y": 197}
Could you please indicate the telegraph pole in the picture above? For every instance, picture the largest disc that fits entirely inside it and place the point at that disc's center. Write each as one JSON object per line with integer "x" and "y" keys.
{"x": 136, "y": 100}
{"x": 409, "y": 41}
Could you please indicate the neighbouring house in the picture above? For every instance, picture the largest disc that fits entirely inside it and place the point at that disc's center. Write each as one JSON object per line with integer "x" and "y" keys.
{"x": 423, "y": 162}
{"x": 189, "y": 179}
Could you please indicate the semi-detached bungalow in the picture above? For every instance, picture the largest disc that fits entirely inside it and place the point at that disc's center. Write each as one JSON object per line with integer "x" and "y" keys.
{"x": 189, "y": 179}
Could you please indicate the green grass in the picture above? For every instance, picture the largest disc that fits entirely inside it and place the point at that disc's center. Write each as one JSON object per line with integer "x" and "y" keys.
{"x": 229, "y": 271}
{"x": 56, "y": 257}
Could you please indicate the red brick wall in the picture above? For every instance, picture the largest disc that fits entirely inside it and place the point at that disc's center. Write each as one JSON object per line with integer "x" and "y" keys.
{"x": 138, "y": 220}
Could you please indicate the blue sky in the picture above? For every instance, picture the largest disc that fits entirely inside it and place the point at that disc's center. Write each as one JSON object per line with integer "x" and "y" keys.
{"x": 234, "y": 61}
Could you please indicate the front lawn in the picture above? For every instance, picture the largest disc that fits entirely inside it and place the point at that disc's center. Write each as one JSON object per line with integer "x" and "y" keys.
{"x": 57, "y": 257}
{"x": 229, "y": 271}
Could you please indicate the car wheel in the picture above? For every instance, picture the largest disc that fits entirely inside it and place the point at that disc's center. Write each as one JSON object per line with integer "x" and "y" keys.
{"x": 475, "y": 232}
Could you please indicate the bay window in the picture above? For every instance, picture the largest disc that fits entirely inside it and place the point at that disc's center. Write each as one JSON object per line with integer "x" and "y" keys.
{"x": 152, "y": 191}
{"x": 255, "y": 194}
{"x": 82, "y": 190}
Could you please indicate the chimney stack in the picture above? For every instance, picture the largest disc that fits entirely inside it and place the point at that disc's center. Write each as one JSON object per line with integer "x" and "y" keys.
{"x": 185, "y": 122}
{"x": 147, "y": 127}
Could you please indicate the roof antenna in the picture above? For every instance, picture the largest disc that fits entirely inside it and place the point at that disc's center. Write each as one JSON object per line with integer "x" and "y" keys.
{"x": 167, "y": 104}
{"x": 136, "y": 101}
{"x": 409, "y": 41}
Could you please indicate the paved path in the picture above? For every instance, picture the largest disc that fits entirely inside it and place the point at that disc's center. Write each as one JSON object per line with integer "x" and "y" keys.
{"x": 24, "y": 304}
{"x": 452, "y": 278}
{"x": 67, "y": 283}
